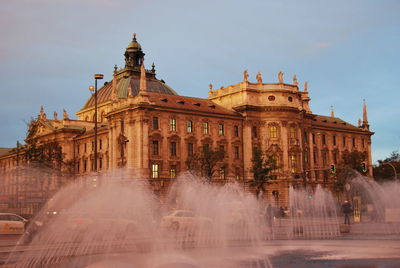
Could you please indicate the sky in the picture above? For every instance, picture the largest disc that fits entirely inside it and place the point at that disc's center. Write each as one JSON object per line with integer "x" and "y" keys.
{"x": 347, "y": 50}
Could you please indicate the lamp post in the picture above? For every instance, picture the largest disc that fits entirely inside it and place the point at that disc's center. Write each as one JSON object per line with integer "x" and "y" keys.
{"x": 96, "y": 77}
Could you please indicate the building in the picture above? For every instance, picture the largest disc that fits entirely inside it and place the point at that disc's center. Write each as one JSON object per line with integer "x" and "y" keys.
{"x": 146, "y": 127}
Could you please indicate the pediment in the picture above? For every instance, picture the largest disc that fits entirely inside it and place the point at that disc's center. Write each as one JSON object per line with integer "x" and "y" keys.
{"x": 39, "y": 128}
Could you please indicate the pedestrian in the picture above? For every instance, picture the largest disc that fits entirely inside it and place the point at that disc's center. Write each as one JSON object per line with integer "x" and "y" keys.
{"x": 269, "y": 215}
{"x": 346, "y": 209}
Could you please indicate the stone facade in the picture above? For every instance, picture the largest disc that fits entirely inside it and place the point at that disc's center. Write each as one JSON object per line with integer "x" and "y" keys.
{"x": 146, "y": 127}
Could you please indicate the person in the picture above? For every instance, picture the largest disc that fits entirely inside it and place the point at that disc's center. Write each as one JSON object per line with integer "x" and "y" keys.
{"x": 269, "y": 215}
{"x": 346, "y": 209}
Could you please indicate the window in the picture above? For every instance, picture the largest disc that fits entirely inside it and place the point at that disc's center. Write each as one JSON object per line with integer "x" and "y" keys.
{"x": 254, "y": 132}
{"x": 155, "y": 148}
{"x": 190, "y": 149}
{"x": 172, "y": 172}
{"x": 292, "y": 132}
{"x": 344, "y": 141}
{"x": 100, "y": 163}
{"x": 85, "y": 165}
{"x": 236, "y": 152}
{"x": 271, "y": 98}
{"x": 78, "y": 166}
{"x": 189, "y": 126}
{"x": 275, "y": 160}
{"x": 206, "y": 147}
{"x": 334, "y": 140}
{"x": 363, "y": 143}
{"x": 172, "y": 124}
{"x": 290, "y": 99}
{"x": 293, "y": 161}
{"x": 315, "y": 154}
{"x": 100, "y": 144}
{"x": 324, "y": 157}
{"x": 354, "y": 142}
{"x": 92, "y": 145}
{"x": 77, "y": 148}
{"x": 334, "y": 157}
{"x": 273, "y": 132}
{"x": 313, "y": 138}
{"x": 173, "y": 148}
{"x": 222, "y": 173}
{"x": 155, "y": 122}
{"x": 154, "y": 171}
{"x": 323, "y": 139}
{"x": 221, "y": 129}
{"x": 205, "y": 128}
{"x": 236, "y": 131}
{"x": 84, "y": 148}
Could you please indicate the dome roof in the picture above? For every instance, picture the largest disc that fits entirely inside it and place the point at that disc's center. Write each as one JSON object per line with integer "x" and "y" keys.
{"x": 134, "y": 45}
{"x": 127, "y": 84}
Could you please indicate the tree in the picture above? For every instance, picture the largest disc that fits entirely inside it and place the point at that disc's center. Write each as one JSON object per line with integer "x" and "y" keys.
{"x": 205, "y": 162}
{"x": 385, "y": 170}
{"x": 348, "y": 167}
{"x": 262, "y": 168}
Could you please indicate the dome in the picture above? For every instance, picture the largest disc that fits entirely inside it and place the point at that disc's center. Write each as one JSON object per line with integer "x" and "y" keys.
{"x": 134, "y": 45}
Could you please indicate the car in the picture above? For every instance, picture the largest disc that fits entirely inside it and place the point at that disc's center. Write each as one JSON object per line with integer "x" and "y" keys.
{"x": 184, "y": 219}
{"x": 12, "y": 224}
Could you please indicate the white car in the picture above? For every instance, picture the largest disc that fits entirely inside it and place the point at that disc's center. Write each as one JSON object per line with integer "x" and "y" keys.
{"x": 12, "y": 224}
{"x": 184, "y": 219}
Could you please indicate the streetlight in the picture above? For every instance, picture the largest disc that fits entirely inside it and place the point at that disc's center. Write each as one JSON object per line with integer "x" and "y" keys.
{"x": 96, "y": 77}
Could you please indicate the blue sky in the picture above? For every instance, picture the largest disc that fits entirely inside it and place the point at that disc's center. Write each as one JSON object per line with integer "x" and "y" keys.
{"x": 346, "y": 50}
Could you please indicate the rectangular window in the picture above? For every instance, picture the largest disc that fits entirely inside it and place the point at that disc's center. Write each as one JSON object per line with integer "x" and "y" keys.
{"x": 334, "y": 140}
{"x": 221, "y": 129}
{"x": 189, "y": 126}
{"x": 78, "y": 167}
{"x": 275, "y": 160}
{"x": 292, "y": 132}
{"x": 85, "y": 165}
{"x": 172, "y": 124}
{"x": 155, "y": 148}
{"x": 237, "y": 173}
{"x": 344, "y": 141}
{"x": 313, "y": 138}
{"x": 173, "y": 148}
{"x": 84, "y": 148}
{"x": 363, "y": 143}
{"x": 222, "y": 173}
{"x": 77, "y": 148}
{"x": 305, "y": 137}
{"x": 273, "y": 132}
{"x": 190, "y": 149}
{"x": 205, "y": 128}
{"x": 100, "y": 163}
{"x": 100, "y": 144}
{"x": 154, "y": 171}
{"x": 155, "y": 122}
{"x": 254, "y": 131}
{"x": 315, "y": 155}
{"x": 323, "y": 139}
{"x": 236, "y": 131}
{"x": 293, "y": 161}
{"x": 236, "y": 152}
{"x": 354, "y": 142}
{"x": 172, "y": 172}
{"x": 92, "y": 145}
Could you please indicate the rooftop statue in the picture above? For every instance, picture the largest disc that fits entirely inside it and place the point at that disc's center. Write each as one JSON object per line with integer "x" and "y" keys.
{"x": 245, "y": 76}
{"x": 65, "y": 115}
{"x": 280, "y": 77}
{"x": 295, "y": 80}
{"x": 259, "y": 78}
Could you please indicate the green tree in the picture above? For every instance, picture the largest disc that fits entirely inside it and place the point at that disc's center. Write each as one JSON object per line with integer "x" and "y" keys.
{"x": 385, "y": 170}
{"x": 262, "y": 169}
{"x": 205, "y": 162}
{"x": 348, "y": 167}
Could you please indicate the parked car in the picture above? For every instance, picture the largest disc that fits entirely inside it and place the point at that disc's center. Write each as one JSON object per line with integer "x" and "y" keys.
{"x": 184, "y": 219}
{"x": 12, "y": 224}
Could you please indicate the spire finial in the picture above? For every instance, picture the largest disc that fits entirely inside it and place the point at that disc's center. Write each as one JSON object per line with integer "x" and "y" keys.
{"x": 295, "y": 82}
{"x": 305, "y": 86}
{"x": 332, "y": 112}
{"x": 365, "y": 124}
{"x": 134, "y": 36}
{"x": 42, "y": 114}
{"x": 143, "y": 82}
{"x": 153, "y": 68}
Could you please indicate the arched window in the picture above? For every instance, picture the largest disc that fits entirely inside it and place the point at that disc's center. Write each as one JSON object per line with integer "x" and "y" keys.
{"x": 293, "y": 162}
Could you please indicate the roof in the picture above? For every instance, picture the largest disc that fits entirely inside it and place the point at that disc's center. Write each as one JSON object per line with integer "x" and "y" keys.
{"x": 125, "y": 84}
{"x": 189, "y": 104}
{"x": 4, "y": 151}
{"x": 333, "y": 122}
